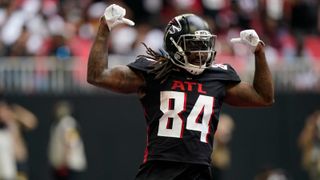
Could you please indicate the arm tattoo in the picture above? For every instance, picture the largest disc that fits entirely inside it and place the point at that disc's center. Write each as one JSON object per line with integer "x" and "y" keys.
{"x": 98, "y": 60}
{"x": 119, "y": 78}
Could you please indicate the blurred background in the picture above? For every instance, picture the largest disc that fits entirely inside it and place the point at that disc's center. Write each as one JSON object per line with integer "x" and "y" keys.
{"x": 44, "y": 46}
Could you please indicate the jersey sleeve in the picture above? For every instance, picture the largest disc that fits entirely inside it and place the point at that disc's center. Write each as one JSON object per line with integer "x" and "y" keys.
{"x": 225, "y": 72}
{"x": 141, "y": 65}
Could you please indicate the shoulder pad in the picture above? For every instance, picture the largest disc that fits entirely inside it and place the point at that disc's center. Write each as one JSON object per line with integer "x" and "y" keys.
{"x": 223, "y": 72}
{"x": 141, "y": 64}
{"x": 222, "y": 66}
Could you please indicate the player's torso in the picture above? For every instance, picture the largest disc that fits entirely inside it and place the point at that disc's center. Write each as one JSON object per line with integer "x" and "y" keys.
{"x": 182, "y": 115}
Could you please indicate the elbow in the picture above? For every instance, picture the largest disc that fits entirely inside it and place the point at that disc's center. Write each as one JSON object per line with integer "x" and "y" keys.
{"x": 92, "y": 80}
{"x": 269, "y": 101}
{"x": 268, "y": 98}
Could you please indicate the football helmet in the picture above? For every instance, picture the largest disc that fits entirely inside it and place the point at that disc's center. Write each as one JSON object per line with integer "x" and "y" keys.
{"x": 188, "y": 34}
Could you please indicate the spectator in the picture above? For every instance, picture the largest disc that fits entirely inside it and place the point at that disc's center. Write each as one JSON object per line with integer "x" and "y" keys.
{"x": 269, "y": 173}
{"x": 309, "y": 143}
{"x": 17, "y": 119}
{"x": 25, "y": 120}
{"x": 66, "y": 149}
{"x": 7, "y": 160}
{"x": 221, "y": 155}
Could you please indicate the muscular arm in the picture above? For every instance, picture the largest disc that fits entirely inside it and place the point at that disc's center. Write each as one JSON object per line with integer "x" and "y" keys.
{"x": 261, "y": 92}
{"x": 118, "y": 79}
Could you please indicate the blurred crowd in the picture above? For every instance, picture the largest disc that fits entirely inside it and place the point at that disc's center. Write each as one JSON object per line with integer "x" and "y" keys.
{"x": 66, "y": 28}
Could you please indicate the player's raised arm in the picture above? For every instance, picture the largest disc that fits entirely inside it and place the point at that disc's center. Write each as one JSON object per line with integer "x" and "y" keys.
{"x": 260, "y": 92}
{"x": 120, "y": 78}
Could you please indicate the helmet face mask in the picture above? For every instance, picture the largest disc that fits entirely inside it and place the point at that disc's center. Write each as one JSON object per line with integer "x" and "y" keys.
{"x": 200, "y": 41}
{"x": 189, "y": 43}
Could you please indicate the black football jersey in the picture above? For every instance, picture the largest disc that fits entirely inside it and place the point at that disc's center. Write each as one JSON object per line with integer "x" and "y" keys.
{"x": 182, "y": 112}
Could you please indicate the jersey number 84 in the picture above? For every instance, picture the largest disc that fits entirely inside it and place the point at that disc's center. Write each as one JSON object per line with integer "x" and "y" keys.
{"x": 173, "y": 104}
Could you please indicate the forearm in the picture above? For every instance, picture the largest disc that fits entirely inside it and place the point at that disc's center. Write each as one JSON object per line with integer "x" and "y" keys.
{"x": 98, "y": 57}
{"x": 262, "y": 82}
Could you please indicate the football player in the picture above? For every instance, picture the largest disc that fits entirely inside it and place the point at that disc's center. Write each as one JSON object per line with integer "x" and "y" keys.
{"x": 181, "y": 90}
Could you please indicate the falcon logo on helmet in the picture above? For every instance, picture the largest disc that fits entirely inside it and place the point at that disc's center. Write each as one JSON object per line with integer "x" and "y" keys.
{"x": 175, "y": 27}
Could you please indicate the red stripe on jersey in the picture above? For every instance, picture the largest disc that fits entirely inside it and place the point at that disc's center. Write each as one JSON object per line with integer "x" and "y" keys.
{"x": 146, "y": 151}
{"x": 212, "y": 114}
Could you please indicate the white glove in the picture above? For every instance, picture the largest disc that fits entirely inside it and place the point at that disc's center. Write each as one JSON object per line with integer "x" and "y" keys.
{"x": 248, "y": 37}
{"x": 114, "y": 15}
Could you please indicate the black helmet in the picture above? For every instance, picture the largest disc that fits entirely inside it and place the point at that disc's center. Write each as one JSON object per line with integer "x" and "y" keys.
{"x": 189, "y": 33}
